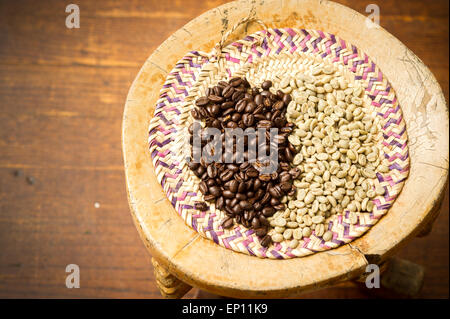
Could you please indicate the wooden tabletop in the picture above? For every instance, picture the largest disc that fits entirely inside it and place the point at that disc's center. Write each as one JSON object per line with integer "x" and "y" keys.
{"x": 62, "y": 190}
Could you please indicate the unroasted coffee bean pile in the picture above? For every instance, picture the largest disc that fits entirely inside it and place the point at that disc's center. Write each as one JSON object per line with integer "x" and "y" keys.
{"x": 239, "y": 189}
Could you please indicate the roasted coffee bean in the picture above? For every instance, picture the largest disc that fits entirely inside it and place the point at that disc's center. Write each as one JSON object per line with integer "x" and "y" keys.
{"x": 236, "y": 117}
{"x": 237, "y": 95}
{"x": 245, "y": 204}
{"x": 278, "y": 105}
{"x": 228, "y": 91}
{"x": 228, "y": 194}
{"x": 203, "y": 187}
{"x": 275, "y": 192}
{"x": 192, "y": 165}
{"x": 266, "y": 85}
{"x": 255, "y": 223}
{"x": 227, "y": 105}
{"x": 258, "y": 99}
{"x": 215, "y": 98}
{"x": 209, "y": 197}
{"x": 242, "y": 187}
{"x": 240, "y": 106}
{"x": 220, "y": 203}
{"x": 222, "y": 84}
{"x": 248, "y": 119}
{"x": 226, "y": 175}
{"x": 200, "y": 206}
{"x": 214, "y": 109}
{"x": 263, "y": 220}
{"x": 266, "y": 241}
{"x": 288, "y": 154}
{"x": 295, "y": 172}
{"x": 236, "y": 82}
{"x": 257, "y": 206}
{"x": 233, "y": 167}
{"x": 212, "y": 171}
{"x": 215, "y": 190}
{"x": 232, "y": 124}
{"x": 285, "y": 186}
{"x": 286, "y": 99}
{"x": 257, "y": 184}
{"x": 260, "y": 232}
{"x": 233, "y": 186}
{"x": 274, "y": 201}
{"x": 265, "y": 199}
{"x": 202, "y": 101}
{"x": 241, "y": 196}
{"x": 264, "y": 124}
{"x": 250, "y": 107}
{"x": 200, "y": 170}
{"x": 237, "y": 209}
{"x": 196, "y": 114}
{"x": 268, "y": 211}
{"x": 264, "y": 177}
{"x": 227, "y": 223}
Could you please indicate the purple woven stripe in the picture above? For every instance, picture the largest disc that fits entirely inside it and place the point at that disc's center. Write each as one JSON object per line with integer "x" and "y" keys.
{"x": 276, "y": 254}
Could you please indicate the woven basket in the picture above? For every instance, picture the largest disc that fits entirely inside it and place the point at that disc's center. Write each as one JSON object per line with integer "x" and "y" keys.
{"x": 265, "y": 55}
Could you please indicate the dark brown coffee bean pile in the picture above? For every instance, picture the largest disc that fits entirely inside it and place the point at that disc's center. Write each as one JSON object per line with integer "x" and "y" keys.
{"x": 238, "y": 189}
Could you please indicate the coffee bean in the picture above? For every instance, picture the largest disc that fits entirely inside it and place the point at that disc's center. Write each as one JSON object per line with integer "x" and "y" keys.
{"x": 220, "y": 203}
{"x": 286, "y": 99}
{"x": 228, "y": 91}
{"x": 266, "y": 85}
{"x": 264, "y": 177}
{"x": 212, "y": 171}
{"x": 250, "y": 107}
{"x": 226, "y": 175}
{"x": 245, "y": 204}
{"x": 202, "y": 101}
{"x": 266, "y": 241}
{"x": 203, "y": 187}
{"x": 265, "y": 199}
{"x": 275, "y": 192}
{"x": 260, "y": 232}
{"x": 255, "y": 223}
{"x": 200, "y": 206}
{"x": 235, "y": 82}
{"x": 240, "y": 106}
{"x": 268, "y": 211}
{"x": 234, "y": 185}
{"x": 227, "y": 223}
{"x": 214, "y": 110}
{"x": 209, "y": 197}
{"x": 228, "y": 194}
{"x": 278, "y": 105}
{"x": 215, "y": 190}
{"x": 248, "y": 119}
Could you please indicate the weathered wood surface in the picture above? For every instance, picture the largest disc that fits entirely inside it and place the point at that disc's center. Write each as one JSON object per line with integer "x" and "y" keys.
{"x": 62, "y": 93}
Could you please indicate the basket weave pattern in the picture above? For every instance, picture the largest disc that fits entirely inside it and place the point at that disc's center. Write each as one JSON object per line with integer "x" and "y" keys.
{"x": 258, "y": 57}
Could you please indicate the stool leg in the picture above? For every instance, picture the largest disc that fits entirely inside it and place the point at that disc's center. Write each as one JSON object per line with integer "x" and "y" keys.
{"x": 169, "y": 286}
{"x": 398, "y": 278}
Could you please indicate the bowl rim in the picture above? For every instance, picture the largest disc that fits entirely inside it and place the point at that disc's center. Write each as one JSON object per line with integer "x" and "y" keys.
{"x": 213, "y": 269}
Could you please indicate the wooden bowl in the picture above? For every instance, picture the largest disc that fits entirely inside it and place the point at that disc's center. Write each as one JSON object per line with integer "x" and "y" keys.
{"x": 202, "y": 263}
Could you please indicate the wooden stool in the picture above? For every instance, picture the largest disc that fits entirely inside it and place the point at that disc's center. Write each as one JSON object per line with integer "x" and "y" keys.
{"x": 183, "y": 259}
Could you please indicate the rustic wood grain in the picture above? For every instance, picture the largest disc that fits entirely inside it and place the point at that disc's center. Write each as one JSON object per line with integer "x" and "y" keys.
{"x": 61, "y": 103}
